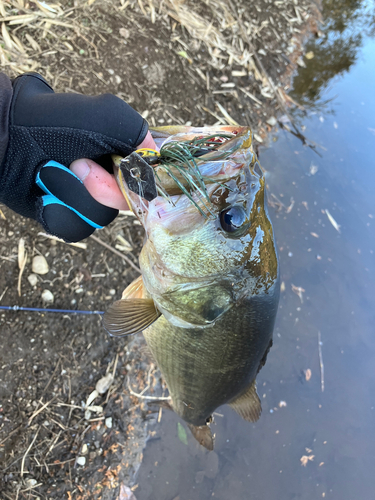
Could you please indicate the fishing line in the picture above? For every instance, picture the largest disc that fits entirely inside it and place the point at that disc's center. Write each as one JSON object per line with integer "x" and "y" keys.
{"x": 37, "y": 309}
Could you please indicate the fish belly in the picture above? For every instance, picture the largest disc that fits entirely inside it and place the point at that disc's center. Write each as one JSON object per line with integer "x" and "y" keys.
{"x": 206, "y": 368}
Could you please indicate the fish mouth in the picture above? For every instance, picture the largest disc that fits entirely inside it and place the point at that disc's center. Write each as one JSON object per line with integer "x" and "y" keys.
{"x": 193, "y": 173}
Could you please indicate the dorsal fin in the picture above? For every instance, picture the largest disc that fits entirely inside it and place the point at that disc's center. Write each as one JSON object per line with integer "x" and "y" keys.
{"x": 203, "y": 435}
{"x": 128, "y": 316}
{"x": 247, "y": 404}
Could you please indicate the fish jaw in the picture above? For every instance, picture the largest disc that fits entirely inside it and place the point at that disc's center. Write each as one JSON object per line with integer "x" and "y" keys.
{"x": 193, "y": 269}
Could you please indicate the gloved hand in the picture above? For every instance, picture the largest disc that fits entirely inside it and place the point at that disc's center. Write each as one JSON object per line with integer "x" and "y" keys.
{"x": 47, "y": 132}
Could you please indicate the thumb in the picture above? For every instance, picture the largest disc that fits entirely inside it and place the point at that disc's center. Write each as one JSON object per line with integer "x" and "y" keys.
{"x": 100, "y": 184}
{"x": 148, "y": 142}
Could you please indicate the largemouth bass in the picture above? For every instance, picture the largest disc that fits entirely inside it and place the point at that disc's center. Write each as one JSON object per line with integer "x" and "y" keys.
{"x": 208, "y": 295}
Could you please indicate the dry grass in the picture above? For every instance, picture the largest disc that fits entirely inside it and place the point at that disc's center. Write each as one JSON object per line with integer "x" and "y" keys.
{"x": 249, "y": 38}
{"x": 23, "y": 25}
{"x": 246, "y": 40}
{"x": 31, "y": 30}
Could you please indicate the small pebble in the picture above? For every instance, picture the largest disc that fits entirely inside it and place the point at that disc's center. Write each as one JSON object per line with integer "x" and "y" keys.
{"x": 47, "y": 296}
{"x": 81, "y": 460}
{"x": 87, "y": 415}
{"x": 84, "y": 449}
{"x": 108, "y": 422}
{"x": 31, "y": 482}
{"x": 104, "y": 383}
{"x": 272, "y": 121}
{"x": 40, "y": 265}
{"x": 33, "y": 279}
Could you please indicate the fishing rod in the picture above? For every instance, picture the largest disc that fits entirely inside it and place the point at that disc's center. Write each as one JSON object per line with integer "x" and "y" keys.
{"x": 38, "y": 309}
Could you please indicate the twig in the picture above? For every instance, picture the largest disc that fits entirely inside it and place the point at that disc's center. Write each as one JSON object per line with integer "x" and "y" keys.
{"x": 321, "y": 361}
{"x": 52, "y": 445}
{"x": 27, "y": 451}
{"x": 50, "y": 380}
{"x": 31, "y": 488}
{"x": 4, "y": 292}
{"x": 22, "y": 259}
{"x": 147, "y": 397}
{"x": 249, "y": 94}
{"x": 10, "y": 498}
{"x": 57, "y": 423}
{"x": 83, "y": 246}
{"x": 98, "y": 240}
{"x": 109, "y": 393}
{"x": 40, "y": 410}
{"x": 10, "y": 434}
{"x": 221, "y": 120}
{"x": 70, "y": 406}
{"x": 58, "y": 463}
{"x": 115, "y": 367}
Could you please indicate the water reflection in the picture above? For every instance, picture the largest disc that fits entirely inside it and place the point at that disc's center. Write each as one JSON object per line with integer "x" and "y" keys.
{"x": 334, "y": 429}
{"x": 335, "y": 49}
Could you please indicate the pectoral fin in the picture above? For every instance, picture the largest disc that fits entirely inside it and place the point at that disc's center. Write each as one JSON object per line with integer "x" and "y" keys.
{"x": 136, "y": 290}
{"x": 247, "y": 404}
{"x": 203, "y": 435}
{"x": 129, "y": 316}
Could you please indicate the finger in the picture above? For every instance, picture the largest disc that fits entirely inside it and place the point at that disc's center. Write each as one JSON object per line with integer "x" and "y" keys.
{"x": 99, "y": 183}
{"x": 148, "y": 142}
{"x": 61, "y": 221}
{"x": 68, "y": 210}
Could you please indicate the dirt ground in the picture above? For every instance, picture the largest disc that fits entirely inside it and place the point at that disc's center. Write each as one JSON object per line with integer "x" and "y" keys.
{"x": 175, "y": 62}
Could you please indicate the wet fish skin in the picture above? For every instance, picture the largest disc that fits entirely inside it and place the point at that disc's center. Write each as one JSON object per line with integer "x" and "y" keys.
{"x": 218, "y": 292}
{"x": 206, "y": 368}
{"x": 236, "y": 279}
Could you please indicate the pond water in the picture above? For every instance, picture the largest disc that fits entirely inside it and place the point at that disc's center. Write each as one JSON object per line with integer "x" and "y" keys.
{"x": 324, "y": 334}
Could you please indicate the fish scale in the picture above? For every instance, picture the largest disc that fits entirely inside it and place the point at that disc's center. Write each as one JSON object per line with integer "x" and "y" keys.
{"x": 235, "y": 353}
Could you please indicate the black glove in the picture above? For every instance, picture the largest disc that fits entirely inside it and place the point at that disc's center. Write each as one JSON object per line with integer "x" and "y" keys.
{"x": 45, "y": 126}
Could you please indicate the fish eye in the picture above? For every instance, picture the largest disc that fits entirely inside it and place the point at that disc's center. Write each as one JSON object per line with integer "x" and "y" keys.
{"x": 232, "y": 219}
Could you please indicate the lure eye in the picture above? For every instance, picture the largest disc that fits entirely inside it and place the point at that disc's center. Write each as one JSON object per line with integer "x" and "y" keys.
{"x": 232, "y": 219}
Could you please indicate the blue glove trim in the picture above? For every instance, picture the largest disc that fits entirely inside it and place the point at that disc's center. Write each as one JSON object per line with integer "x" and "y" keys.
{"x": 55, "y": 164}
{"x": 49, "y": 199}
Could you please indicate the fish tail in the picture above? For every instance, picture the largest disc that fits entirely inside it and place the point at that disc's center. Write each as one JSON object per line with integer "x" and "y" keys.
{"x": 203, "y": 435}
